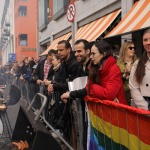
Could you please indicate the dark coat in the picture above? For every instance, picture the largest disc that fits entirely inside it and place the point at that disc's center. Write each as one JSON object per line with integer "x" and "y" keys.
{"x": 24, "y": 69}
{"x": 71, "y": 67}
{"x": 31, "y": 64}
{"x": 39, "y": 72}
{"x": 81, "y": 72}
{"x": 59, "y": 80}
{"x": 84, "y": 72}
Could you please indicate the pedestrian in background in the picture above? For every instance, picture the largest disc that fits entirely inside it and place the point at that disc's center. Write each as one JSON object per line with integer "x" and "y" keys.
{"x": 44, "y": 69}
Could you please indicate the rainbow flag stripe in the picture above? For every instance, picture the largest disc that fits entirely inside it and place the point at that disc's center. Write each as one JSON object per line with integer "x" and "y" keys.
{"x": 118, "y": 127}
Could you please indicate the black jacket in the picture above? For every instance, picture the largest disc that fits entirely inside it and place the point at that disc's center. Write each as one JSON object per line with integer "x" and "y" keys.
{"x": 39, "y": 72}
{"x": 84, "y": 72}
{"x": 71, "y": 67}
{"x": 24, "y": 69}
{"x": 59, "y": 80}
{"x": 81, "y": 93}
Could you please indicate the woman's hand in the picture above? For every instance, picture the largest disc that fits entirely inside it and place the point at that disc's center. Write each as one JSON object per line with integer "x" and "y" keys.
{"x": 128, "y": 69}
{"x": 65, "y": 97}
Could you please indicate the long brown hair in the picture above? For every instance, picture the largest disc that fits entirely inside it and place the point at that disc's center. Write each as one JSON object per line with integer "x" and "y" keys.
{"x": 140, "y": 70}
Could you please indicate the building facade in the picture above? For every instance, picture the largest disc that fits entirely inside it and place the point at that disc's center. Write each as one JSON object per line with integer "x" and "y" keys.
{"x": 25, "y": 28}
{"x": 53, "y": 21}
{"x": 7, "y": 31}
{"x": 19, "y": 30}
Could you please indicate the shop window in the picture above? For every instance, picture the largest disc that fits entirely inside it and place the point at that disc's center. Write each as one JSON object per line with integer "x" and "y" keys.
{"x": 23, "y": 40}
{"x": 22, "y": 11}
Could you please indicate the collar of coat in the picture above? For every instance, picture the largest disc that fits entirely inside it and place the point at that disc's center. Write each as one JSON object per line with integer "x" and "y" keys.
{"x": 107, "y": 65}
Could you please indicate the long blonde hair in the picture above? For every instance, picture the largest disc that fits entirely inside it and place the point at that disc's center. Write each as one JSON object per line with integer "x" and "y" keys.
{"x": 123, "y": 49}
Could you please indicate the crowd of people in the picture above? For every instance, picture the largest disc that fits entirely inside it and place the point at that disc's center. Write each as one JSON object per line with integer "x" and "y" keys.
{"x": 123, "y": 79}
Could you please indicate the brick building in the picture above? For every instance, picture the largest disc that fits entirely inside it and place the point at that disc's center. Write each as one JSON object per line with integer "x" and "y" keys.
{"x": 25, "y": 28}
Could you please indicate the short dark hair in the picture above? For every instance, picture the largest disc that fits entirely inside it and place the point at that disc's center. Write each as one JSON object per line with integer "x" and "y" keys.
{"x": 52, "y": 51}
{"x": 87, "y": 44}
{"x": 57, "y": 56}
{"x": 67, "y": 44}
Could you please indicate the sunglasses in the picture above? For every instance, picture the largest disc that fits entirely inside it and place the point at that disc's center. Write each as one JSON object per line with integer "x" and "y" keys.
{"x": 131, "y": 48}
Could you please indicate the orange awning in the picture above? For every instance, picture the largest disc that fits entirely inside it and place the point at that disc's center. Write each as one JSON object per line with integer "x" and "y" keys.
{"x": 137, "y": 18}
{"x": 93, "y": 30}
{"x": 55, "y": 42}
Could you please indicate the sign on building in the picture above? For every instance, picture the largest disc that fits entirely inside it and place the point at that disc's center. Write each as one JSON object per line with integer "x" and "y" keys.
{"x": 12, "y": 57}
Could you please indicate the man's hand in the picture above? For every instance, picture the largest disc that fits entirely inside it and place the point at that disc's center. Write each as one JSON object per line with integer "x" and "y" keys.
{"x": 39, "y": 82}
{"x": 50, "y": 88}
{"x": 47, "y": 82}
{"x": 2, "y": 91}
{"x": 65, "y": 97}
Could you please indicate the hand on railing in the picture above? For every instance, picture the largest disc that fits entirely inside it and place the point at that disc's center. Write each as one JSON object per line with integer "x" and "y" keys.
{"x": 39, "y": 82}
{"x": 50, "y": 89}
{"x": 46, "y": 82}
{"x": 21, "y": 78}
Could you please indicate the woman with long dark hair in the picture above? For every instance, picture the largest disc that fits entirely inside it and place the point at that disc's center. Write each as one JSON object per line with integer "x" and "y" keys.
{"x": 105, "y": 81}
{"x": 139, "y": 81}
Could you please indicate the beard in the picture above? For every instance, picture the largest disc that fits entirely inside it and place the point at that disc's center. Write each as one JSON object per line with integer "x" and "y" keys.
{"x": 83, "y": 59}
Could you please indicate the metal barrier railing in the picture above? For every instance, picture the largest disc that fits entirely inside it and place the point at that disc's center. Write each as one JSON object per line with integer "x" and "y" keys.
{"x": 33, "y": 96}
{"x": 112, "y": 126}
{"x": 39, "y": 112}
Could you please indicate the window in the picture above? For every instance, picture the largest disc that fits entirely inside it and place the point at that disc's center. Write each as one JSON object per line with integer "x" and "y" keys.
{"x": 59, "y": 8}
{"x": 23, "y": 40}
{"x": 22, "y": 11}
{"x": 58, "y": 5}
{"x": 23, "y": 0}
{"x": 43, "y": 14}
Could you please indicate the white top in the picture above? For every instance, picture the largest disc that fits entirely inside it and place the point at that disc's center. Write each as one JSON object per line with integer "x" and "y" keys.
{"x": 139, "y": 90}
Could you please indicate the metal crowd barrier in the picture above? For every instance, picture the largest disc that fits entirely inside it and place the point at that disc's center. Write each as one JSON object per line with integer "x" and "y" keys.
{"x": 32, "y": 95}
{"x": 5, "y": 126}
{"x": 112, "y": 126}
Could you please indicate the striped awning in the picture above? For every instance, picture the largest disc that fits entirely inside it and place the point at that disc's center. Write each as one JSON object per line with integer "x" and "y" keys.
{"x": 55, "y": 42}
{"x": 137, "y": 18}
{"x": 93, "y": 30}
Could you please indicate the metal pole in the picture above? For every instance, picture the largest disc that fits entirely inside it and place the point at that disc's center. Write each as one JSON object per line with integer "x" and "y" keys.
{"x": 37, "y": 33}
{"x": 73, "y": 35}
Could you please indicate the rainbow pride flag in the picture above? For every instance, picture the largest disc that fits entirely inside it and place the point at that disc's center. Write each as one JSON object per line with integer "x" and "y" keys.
{"x": 117, "y": 127}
